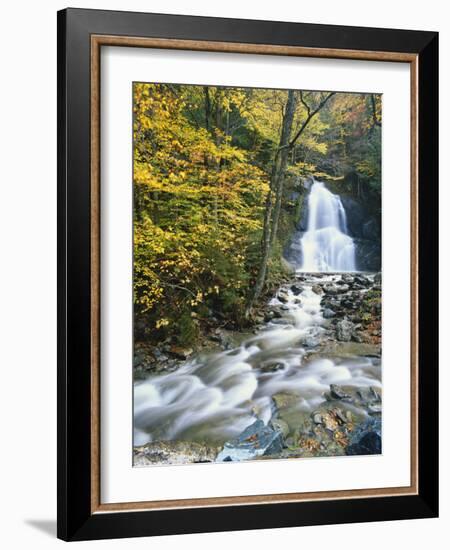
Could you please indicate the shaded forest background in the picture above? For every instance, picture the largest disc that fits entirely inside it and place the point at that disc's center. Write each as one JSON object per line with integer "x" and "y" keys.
{"x": 218, "y": 190}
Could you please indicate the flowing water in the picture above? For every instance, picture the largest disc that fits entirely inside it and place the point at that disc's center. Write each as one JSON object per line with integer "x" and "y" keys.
{"x": 326, "y": 245}
{"x": 215, "y": 396}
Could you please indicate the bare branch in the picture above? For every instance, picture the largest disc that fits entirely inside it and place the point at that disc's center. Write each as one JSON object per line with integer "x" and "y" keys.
{"x": 311, "y": 115}
{"x": 307, "y": 107}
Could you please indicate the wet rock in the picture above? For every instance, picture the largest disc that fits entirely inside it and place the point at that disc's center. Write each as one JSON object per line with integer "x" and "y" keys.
{"x": 377, "y": 278}
{"x": 347, "y": 278}
{"x": 256, "y": 440}
{"x": 317, "y": 289}
{"x": 272, "y": 367}
{"x": 344, "y": 330}
{"x": 328, "y": 313}
{"x": 269, "y": 315}
{"x": 159, "y": 355}
{"x": 283, "y": 400}
{"x": 173, "y": 452}
{"x": 374, "y": 409}
{"x": 344, "y": 350}
{"x": 143, "y": 360}
{"x": 331, "y": 290}
{"x": 343, "y": 288}
{"x": 337, "y": 392}
{"x": 376, "y": 396}
{"x": 296, "y": 289}
{"x": 272, "y": 314}
{"x": 311, "y": 342}
{"x": 340, "y": 417}
{"x": 181, "y": 352}
{"x": 280, "y": 425}
{"x": 290, "y": 442}
{"x": 369, "y": 444}
{"x": 317, "y": 418}
{"x": 283, "y": 298}
{"x": 361, "y": 280}
{"x": 366, "y": 439}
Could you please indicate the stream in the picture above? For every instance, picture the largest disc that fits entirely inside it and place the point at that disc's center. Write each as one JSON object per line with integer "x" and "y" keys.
{"x": 214, "y": 397}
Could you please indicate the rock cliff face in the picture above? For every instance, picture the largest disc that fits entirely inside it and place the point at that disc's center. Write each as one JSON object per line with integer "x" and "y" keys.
{"x": 366, "y": 232}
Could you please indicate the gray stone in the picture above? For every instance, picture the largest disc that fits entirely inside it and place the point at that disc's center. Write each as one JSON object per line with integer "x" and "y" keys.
{"x": 159, "y": 355}
{"x": 317, "y": 418}
{"x": 180, "y": 352}
{"x": 173, "y": 452}
{"x": 343, "y": 288}
{"x": 272, "y": 367}
{"x": 280, "y": 425}
{"x": 337, "y": 392}
{"x": 369, "y": 444}
{"x": 328, "y": 313}
{"x": 256, "y": 440}
{"x": 296, "y": 289}
{"x": 331, "y": 290}
{"x": 344, "y": 330}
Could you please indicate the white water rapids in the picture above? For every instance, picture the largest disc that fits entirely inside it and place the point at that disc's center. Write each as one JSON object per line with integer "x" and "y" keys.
{"x": 215, "y": 397}
{"x": 326, "y": 245}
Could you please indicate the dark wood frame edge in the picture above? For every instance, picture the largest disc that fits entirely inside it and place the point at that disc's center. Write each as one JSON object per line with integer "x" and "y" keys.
{"x": 75, "y": 521}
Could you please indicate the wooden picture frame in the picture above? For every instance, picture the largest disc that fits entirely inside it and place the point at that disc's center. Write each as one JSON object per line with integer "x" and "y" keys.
{"x": 81, "y": 35}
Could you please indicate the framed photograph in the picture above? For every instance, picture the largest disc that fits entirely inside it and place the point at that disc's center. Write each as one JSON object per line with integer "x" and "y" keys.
{"x": 247, "y": 274}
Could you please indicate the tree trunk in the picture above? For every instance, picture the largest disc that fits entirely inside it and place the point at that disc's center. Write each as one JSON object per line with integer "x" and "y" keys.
{"x": 272, "y": 213}
{"x": 284, "y": 155}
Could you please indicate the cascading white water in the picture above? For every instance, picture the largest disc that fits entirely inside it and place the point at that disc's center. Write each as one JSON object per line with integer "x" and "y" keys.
{"x": 326, "y": 245}
{"x": 215, "y": 397}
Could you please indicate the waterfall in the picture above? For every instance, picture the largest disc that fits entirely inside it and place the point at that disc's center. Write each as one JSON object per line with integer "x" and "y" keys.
{"x": 326, "y": 245}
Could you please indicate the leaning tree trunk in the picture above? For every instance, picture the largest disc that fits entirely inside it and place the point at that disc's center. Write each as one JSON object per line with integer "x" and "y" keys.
{"x": 272, "y": 212}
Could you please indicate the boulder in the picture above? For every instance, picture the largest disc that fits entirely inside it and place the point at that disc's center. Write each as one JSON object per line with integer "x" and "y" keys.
{"x": 369, "y": 444}
{"x": 344, "y": 330}
{"x": 173, "y": 452}
{"x": 296, "y": 289}
{"x": 280, "y": 425}
{"x": 331, "y": 290}
{"x": 366, "y": 439}
{"x": 180, "y": 352}
{"x": 256, "y": 440}
{"x": 328, "y": 313}
{"x": 337, "y": 392}
{"x": 311, "y": 342}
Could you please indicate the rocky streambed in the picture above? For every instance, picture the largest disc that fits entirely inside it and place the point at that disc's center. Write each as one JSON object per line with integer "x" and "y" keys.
{"x": 305, "y": 383}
